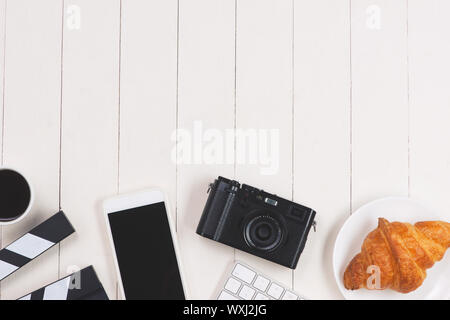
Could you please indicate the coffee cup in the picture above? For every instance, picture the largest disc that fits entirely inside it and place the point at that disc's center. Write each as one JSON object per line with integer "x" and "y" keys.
{"x": 16, "y": 196}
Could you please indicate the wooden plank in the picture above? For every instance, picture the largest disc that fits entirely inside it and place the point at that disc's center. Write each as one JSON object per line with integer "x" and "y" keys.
{"x": 89, "y": 160}
{"x": 429, "y": 103}
{"x": 205, "y": 99}
{"x": 322, "y": 135}
{"x": 264, "y": 102}
{"x": 379, "y": 100}
{"x": 32, "y": 104}
{"x": 148, "y": 95}
{"x": 2, "y": 73}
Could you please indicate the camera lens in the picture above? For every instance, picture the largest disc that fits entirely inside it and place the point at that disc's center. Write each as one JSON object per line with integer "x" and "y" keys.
{"x": 263, "y": 232}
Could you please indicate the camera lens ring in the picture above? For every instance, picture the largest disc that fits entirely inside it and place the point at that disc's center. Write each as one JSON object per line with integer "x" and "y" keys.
{"x": 263, "y": 232}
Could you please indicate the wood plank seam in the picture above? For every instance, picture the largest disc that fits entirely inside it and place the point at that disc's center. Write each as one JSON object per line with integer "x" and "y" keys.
{"x": 3, "y": 62}
{"x": 408, "y": 97}
{"x": 118, "y": 115}
{"x": 177, "y": 114}
{"x": 234, "y": 99}
{"x": 60, "y": 124}
{"x": 351, "y": 107}
{"x": 293, "y": 119}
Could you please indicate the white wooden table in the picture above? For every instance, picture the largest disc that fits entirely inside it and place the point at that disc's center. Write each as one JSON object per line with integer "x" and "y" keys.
{"x": 93, "y": 90}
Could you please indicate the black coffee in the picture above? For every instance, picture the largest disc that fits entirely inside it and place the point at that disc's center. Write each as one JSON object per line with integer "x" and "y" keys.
{"x": 15, "y": 195}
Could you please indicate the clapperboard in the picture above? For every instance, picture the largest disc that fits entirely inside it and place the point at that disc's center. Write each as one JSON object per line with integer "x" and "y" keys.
{"x": 81, "y": 285}
{"x": 36, "y": 242}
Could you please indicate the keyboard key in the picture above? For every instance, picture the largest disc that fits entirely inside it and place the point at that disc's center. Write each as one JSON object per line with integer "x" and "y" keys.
{"x": 232, "y": 285}
{"x": 261, "y": 283}
{"x": 243, "y": 273}
{"x": 260, "y": 296}
{"x": 247, "y": 293}
{"x": 275, "y": 291}
{"x": 289, "y": 296}
{"x": 246, "y": 283}
{"x": 226, "y": 296}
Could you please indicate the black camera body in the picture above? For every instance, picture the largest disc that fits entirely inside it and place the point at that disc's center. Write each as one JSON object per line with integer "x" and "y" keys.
{"x": 256, "y": 222}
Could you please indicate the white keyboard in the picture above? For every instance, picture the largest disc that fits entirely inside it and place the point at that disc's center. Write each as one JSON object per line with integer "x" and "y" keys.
{"x": 245, "y": 283}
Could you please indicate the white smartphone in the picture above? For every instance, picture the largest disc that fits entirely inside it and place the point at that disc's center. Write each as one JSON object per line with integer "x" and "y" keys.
{"x": 145, "y": 246}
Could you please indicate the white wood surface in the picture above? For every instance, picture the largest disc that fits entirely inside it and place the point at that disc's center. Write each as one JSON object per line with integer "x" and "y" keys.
{"x": 322, "y": 134}
{"x": 264, "y": 97}
{"x": 429, "y": 103}
{"x": 204, "y": 99}
{"x": 89, "y": 154}
{"x": 92, "y": 93}
{"x": 31, "y": 135}
{"x": 2, "y": 73}
{"x": 379, "y": 101}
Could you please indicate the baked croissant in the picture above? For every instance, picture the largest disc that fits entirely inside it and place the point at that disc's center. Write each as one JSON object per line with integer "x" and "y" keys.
{"x": 400, "y": 252}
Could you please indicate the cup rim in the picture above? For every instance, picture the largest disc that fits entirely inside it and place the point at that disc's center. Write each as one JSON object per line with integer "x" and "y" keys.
{"x": 30, "y": 204}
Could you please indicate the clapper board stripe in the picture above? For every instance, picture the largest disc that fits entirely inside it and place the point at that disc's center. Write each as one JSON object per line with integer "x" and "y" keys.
{"x": 34, "y": 243}
{"x": 81, "y": 285}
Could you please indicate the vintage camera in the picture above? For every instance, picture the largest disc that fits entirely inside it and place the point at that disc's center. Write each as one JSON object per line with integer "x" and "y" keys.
{"x": 256, "y": 222}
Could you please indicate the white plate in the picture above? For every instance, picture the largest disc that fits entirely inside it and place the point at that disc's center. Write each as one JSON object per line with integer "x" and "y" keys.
{"x": 365, "y": 219}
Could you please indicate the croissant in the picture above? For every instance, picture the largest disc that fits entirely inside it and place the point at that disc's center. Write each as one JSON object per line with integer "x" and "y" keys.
{"x": 400, "y": 252}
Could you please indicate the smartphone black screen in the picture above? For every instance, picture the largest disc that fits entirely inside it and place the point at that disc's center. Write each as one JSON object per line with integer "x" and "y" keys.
{"x": 145, "y": 253}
